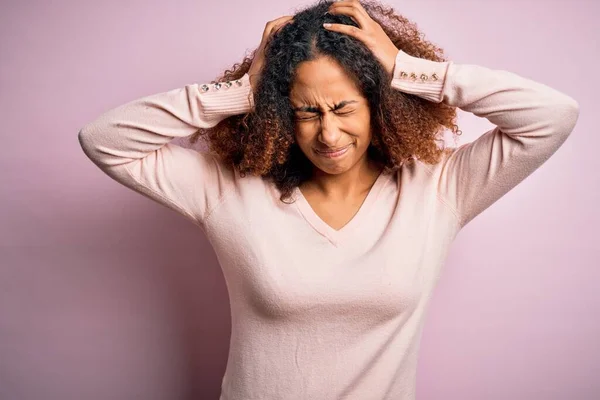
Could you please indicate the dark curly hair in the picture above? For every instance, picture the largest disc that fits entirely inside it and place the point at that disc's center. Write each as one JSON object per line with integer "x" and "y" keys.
{"x": 405, "y": 127}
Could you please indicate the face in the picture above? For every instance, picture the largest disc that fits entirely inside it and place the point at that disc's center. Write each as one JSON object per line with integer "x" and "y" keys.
{"x": 330, "y": 114}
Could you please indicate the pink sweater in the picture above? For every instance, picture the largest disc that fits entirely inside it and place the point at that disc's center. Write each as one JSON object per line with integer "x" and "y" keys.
{"x": 319, "y": 313}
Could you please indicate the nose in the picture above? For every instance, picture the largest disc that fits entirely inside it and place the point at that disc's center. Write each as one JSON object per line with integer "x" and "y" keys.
{"x": 330, "y": 133}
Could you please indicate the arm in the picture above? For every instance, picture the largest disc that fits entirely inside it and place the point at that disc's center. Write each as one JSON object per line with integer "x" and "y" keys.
{"x": 130, "y": 143}
{"x": 532, "y": 121}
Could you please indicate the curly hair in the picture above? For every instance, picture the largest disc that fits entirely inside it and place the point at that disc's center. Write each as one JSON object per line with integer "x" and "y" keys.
{"x": 405, "y": 127}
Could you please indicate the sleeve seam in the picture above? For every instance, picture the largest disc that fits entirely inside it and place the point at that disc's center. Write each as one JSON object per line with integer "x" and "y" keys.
{"x": 442, "y": 199}
{"x": 446, "y": 78}
{"x": 224, "y": 196}
{"x": 176, "y": 205}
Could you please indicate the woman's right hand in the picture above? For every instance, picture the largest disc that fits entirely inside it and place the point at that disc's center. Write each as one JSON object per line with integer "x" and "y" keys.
{"x": 271, "y": 29}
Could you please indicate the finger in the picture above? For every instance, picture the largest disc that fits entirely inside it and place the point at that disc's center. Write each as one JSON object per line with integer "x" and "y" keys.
{"x": 271, "y": 26}
{"x": 348, "y": 30}
{"x": 346, "y": 2}
{"x": 279, "y": 20}
{"x": 349, "y": 3}
{"x": 284, "y": 23}
{"x": 359, "y": 17}
{"x": 276, "y": 30}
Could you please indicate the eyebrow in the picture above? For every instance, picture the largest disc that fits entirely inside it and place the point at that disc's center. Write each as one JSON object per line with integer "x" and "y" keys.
{"x": 316, "y": 109}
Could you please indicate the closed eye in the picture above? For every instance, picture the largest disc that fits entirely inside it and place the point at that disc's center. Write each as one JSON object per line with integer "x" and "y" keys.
{"x": 313, "y": 117}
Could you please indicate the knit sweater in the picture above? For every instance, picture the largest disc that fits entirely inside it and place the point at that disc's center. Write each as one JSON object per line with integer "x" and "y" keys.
{"x": 320, "y": 313}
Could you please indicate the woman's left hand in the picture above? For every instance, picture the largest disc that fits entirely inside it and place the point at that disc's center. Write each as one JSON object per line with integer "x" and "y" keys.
{"x": 369, "y": 32}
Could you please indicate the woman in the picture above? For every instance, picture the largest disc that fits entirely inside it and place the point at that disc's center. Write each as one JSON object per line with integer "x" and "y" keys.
{"x": 326, "y": 196}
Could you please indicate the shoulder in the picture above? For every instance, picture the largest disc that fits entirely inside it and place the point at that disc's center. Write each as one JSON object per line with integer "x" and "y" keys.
{"x": 436, "y": 168}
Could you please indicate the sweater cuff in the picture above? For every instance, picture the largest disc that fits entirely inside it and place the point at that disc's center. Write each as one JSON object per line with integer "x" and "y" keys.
{"x": 231, "y": 98}
{"x": 419, "y": 76}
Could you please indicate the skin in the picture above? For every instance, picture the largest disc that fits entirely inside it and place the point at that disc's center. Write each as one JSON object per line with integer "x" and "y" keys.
{"x": 323, "y": 85}
{"x": 330, "y": 113}
{"x": 398, "y": 140}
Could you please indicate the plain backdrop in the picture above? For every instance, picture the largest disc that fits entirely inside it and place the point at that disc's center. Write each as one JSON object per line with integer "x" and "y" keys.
{"x": 107, "y": 295}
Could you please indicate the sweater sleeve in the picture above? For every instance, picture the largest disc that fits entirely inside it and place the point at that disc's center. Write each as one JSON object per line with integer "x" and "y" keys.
{"x": 130, "y": 143}
{"x": 531, "y": 122}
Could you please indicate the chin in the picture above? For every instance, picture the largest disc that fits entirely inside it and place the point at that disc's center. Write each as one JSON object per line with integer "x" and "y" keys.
{"x": 332, "y": 171}
{"x": 335, "y": 165}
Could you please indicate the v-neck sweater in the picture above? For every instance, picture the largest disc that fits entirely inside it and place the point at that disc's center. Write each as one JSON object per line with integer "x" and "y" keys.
{"x": 318, "y": 313}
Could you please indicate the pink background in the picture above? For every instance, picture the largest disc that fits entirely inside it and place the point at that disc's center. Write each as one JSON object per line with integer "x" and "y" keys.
{"x": 107, "y": 295}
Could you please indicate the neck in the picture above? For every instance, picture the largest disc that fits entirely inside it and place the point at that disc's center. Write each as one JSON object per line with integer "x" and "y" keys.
{"x": 353, "y": 182}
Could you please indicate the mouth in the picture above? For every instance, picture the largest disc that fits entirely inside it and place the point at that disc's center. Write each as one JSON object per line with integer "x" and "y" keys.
{"x": 333, "y": 153}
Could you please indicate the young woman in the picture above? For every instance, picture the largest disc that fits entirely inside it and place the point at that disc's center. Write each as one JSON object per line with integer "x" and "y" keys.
{"x": 327, "y": 194}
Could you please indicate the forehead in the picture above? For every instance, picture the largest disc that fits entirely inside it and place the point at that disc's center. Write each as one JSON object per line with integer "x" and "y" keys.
{"x": 322, "y": 80}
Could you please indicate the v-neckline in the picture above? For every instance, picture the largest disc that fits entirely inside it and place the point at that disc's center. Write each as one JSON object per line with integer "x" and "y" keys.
{"x": 337, "y": 237}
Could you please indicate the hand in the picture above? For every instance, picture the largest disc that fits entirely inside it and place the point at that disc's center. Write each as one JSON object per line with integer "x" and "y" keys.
{"x": 271, "y": 29}
{"x": 369, "y": 32}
